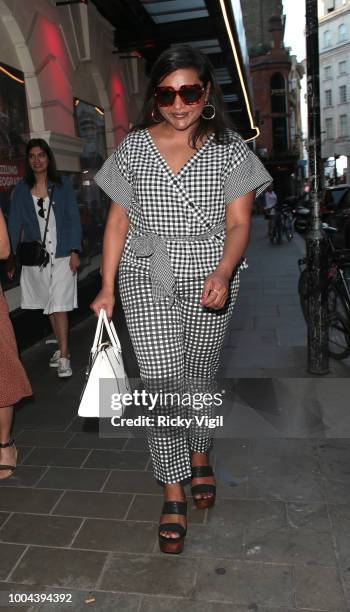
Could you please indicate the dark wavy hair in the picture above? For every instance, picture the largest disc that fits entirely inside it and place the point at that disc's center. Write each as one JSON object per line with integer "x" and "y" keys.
{"x": 52, "y": 174}
{"x": 180, "y": 57}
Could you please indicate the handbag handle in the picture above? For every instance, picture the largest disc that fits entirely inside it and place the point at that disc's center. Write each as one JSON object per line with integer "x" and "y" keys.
{"x": 103, "y": 321}
{"x": 109, "y": 325}
{"x": 98, "y": 332}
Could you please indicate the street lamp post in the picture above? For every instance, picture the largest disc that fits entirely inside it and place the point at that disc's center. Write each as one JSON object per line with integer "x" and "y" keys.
{"x": 316, "y": 247}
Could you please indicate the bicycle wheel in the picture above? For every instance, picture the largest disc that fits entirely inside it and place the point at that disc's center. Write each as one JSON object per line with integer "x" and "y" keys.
{"x": 338, "y": 326}
{"x": 338, "y": 319}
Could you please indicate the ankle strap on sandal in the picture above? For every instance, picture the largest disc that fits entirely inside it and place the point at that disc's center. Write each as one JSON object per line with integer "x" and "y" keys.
{"x": 8, "y": 444}
{"x": 174, "y": 507}
{"x": 200, "y": 471}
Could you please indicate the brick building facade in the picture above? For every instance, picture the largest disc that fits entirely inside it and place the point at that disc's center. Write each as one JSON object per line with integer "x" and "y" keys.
{"x": 256, "y": 15}
{"x": 276, "y": 79}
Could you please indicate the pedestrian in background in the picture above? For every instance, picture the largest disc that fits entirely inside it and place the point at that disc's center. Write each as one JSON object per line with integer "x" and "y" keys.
{"x": 270, "y": 206}
{"x": 14, "y": 384}
{"x": 52, "y": 288}
{"x": 182, "y": 184}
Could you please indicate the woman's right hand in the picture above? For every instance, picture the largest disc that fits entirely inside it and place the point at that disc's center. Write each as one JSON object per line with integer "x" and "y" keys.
{"x": 104, "y": 299}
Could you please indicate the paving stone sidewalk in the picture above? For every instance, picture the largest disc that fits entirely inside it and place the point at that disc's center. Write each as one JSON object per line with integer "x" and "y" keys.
{"x": 268, "y": 333}
{"x": 80, "y": 515}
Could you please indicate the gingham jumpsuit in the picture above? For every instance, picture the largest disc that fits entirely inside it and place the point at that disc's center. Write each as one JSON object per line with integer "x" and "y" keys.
{"x": 175, "y": 239}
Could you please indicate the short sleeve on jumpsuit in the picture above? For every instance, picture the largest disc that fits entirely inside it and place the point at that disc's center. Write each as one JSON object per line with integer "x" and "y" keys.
{"x": 114, "y": 176}
{"x": 244, "y": 172}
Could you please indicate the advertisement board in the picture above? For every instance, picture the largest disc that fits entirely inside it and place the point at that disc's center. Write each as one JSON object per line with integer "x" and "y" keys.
{"x": 14, "y": 130}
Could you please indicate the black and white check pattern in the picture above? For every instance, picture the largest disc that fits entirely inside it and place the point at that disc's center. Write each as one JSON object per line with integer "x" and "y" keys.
{"x": 176, "y": 349}
{"x": 177, "y": 345}
{"x": 138, "y": 178}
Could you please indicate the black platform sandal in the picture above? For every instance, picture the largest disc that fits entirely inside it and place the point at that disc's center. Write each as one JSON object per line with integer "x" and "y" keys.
{"x": 4, "y": 467}
{"x": 202, "y": 471}
{"x": 172, "y": 545}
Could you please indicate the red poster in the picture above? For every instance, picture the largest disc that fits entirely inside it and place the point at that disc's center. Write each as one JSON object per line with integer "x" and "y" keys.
{"x": 14, "y": 129}
{"x": 10, "y": 173}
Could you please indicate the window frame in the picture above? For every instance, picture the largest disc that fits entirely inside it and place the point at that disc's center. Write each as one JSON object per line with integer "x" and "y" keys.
{"x": 343, "y": 135}
{"x": 342, "y": 33}
{"x": 327, "y": 72}
{"x": 343, "y": 88}
{"x": 327, "y": 39}
{"x": 344, "y": 62}
{"x": 328, "y": 94}
{"x": 329, "y": 133}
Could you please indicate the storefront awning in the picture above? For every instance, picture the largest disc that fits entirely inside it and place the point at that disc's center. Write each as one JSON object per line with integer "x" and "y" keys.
{"x": 214, "y": 26}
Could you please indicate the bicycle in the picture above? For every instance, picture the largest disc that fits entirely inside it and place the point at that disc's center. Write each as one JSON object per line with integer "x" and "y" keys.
{"x": 281, "y": 224}
{"x": 337, "y": 285}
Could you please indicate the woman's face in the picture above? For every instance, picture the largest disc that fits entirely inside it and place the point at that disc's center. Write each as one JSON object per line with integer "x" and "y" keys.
{"x": 179, "y": 115}
{"x": 38, "y": 160}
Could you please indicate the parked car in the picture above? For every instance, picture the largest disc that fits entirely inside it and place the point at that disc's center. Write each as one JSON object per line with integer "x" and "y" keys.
{"x": 334, "y": 210}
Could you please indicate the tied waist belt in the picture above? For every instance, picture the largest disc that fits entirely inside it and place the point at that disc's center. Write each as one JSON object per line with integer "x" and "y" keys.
{"x": 153, "y": 246}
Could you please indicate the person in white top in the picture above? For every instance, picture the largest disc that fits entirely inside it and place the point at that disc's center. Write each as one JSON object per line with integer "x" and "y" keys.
{"x": 52, "y": 288}
{"x": 270, "y": 205}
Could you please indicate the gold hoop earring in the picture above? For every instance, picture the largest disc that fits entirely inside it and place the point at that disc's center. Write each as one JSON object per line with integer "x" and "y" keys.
{"x": 153, "y": 115}
{"x": 213, "y": 111}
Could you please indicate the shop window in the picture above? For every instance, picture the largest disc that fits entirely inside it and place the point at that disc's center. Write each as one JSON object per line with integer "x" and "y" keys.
{"x": 93, "y": 204}
{"x": 278, "y": 93}
{"x": 14, "y": 132}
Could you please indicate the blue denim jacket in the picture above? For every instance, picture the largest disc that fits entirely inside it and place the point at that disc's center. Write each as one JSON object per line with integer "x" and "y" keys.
{"x": 22, "y": 216}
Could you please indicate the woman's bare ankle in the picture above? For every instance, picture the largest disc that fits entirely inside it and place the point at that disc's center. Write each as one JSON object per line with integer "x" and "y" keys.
{"x": 200, "y": 458}
{"x": 173, "y": 492}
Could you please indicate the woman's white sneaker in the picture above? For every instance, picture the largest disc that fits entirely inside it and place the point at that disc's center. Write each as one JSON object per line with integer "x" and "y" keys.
{"x": 53, "y": 362}
{"x": 64, "y": 370}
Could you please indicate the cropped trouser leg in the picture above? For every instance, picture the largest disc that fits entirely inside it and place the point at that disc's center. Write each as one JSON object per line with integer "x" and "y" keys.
{"x": 204, "y": 330}
{"x": 177, "y": 349}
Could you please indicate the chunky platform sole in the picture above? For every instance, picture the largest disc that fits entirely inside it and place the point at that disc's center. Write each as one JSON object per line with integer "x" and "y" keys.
{"x": 202, "y": 504}
{"x": 172, "y": 546}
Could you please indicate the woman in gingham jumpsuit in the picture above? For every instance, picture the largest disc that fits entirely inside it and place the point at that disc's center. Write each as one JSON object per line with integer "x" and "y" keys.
{"x": 173, "y": 225}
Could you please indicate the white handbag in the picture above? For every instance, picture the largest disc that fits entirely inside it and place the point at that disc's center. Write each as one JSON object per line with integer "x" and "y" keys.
{"x": 105, "y": 362}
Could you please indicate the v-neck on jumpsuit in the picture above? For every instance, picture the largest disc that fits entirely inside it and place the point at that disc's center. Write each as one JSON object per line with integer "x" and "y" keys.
{"x": 175, "y": 239}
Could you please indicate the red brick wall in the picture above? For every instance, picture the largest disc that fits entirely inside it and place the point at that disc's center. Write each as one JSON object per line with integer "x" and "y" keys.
{"x": 261, "y": 73}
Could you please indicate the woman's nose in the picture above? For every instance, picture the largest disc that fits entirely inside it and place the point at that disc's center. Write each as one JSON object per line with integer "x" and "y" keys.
{"x": 178, "y": 103}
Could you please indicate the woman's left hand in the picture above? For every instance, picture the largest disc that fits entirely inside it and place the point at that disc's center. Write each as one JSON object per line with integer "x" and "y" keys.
{"x": 74, "y": 262}
{"x": 215, "y": 290}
